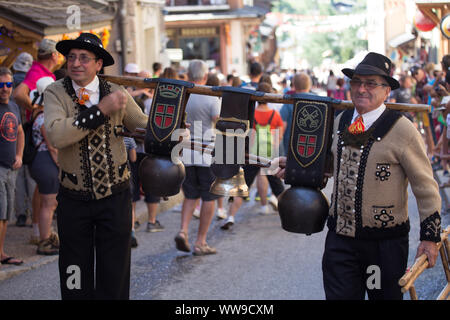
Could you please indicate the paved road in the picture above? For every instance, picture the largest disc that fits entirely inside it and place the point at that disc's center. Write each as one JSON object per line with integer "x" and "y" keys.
{"x": 256, "y": 260}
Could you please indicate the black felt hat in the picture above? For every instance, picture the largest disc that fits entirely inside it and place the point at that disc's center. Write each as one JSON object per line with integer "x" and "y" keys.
{"x": 374, "y": 64}
{"x": 87, "y": 41}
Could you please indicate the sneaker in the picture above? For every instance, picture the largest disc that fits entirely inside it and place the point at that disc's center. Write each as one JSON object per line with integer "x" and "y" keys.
{"x": 228, "y": 223}
{"x": 136, "y": 225}
{"x": 47, "y": 248}
{"x": 196, "y": 213}
{"x": 21, "y": 220}
{"x": 134, "y": 243}
{"x": 34, "y": 240}
{"x": 221, "y": 213}
{"x": 203, "y": 250}
{"x": 154, "y": 227}
{"x": 257, "y": 198}
{"x": 273, "y": 201}
{"x": 264, "y": 210}
{"x": 246, "y": 199}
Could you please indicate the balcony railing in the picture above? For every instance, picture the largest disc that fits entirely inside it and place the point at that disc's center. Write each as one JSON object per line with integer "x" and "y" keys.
{"x": 176, "y": 3}
{"x": 185, "y": 6}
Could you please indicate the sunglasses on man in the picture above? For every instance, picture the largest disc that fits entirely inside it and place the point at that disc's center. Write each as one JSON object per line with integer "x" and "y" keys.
{"x": 7, "y": 84}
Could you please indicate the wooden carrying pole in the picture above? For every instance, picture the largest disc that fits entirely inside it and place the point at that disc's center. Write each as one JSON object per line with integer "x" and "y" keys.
{"x": 421, "y": 263}
{"x": 267, "y": 97}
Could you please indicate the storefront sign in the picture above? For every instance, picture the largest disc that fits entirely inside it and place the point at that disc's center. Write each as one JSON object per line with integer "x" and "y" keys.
{"x": 198, "y": 32}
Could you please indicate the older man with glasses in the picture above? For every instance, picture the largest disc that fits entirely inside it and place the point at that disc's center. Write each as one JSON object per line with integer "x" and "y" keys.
{"x": 82, "y": 116}
{"x": 377, "y": 151}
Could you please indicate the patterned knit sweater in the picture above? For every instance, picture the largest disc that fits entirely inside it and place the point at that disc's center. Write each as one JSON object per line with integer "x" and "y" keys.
{"x": 92, "y": 157}
{"x": 372, "y": 171}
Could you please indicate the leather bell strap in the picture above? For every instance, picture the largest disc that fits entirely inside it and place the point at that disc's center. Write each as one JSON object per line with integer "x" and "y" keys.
{"x": 309, "y": 157}
{"x": 166, "y": 115}
{"x": 232, "y": 128}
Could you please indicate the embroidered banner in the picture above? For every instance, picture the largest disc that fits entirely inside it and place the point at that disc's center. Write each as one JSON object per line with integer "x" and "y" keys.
{"x": 166, "y": 115}
{"x": 310, "y": 140}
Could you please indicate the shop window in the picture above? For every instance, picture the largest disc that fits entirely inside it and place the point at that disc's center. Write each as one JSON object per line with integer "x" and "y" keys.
{"x": 201, "y": 48}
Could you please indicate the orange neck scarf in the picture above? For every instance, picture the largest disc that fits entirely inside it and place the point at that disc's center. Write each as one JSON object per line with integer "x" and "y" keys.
{"x": 357, "y": 126}
{"x": 83, "y": 96}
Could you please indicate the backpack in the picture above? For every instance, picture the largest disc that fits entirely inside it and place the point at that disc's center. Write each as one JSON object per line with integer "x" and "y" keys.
{"x": 339, "y": 94}
{"x": 30, "y": 149}
{"x": 262, "y": 144}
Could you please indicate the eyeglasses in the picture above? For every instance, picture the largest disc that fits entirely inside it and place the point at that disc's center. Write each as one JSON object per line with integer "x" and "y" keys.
{"x": 370, "y": 85}
{"x": 7, "y": 84}
{"x": 84, "y": 59}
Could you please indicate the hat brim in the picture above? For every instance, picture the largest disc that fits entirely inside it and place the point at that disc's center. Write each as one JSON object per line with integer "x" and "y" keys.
{"x": 368, "y": 71}
{"x": 64, "y": 47}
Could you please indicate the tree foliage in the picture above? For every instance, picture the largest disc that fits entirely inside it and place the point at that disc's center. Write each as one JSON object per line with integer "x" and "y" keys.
{"x": 341, "y": 46}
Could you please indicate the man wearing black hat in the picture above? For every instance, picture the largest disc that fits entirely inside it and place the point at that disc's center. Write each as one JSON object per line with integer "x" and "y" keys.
{"x": 83, "y": 114}
{"x": 377, "y": 151}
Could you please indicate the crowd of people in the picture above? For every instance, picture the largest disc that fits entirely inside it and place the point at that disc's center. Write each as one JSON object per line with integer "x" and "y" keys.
{"x": 70, "y": 119}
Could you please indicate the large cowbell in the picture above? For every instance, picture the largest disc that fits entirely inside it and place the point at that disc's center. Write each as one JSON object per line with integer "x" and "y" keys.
{"x": 304, "y": 208}
{"x": 232, "y": 138}
{"x": 160, "y": 176}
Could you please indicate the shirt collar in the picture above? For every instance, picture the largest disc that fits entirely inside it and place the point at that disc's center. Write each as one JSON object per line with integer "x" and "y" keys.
{"x": 370, "y": 117}
{"x": 92, "y": 87}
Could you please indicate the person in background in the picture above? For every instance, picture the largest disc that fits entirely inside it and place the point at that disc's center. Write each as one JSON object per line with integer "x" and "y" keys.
{"x": 144, "y": 96}
{"x": 130, "y": 146}
{"x": 44, "y": 170}
{"x": 229, "y": 80}
{"x": 331, "y": 84}
{"x": 236, "y": 82}
{"x": 256, "y": 72}
{"x": 169, "y": 73}
{"x": 157, "y": 69}
{"x": 421, "y": 96}
{"x": 263, "y": 116}
{"x": 21, "y": 66}
{"x": 302, "y": 84}
{"x": 47, "y": 60}
{"x": 11, "y": 151}
{"x": 341, "y": 93}
{"x": 24, "y": 184}
{"x": 213, "y": 81}
{"x": 202, "y": 113}
{"x": 404, "y": 94}
{"x": 151, "y": 201}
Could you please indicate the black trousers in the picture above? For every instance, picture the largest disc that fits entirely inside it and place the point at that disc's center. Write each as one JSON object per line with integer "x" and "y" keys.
{"x": 353, "y": 267}
{"x": 95, "y": 247}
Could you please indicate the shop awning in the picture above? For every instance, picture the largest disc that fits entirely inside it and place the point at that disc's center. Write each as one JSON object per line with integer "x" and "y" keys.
{"x": 401, "y": 39}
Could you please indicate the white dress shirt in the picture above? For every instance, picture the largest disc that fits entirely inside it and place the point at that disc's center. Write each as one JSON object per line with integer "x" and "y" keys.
{"x": 370, "y": 117}
{"x": 92, "y": 89}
